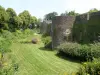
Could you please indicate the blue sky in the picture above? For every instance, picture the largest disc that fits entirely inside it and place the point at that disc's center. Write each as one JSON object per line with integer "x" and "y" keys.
{"x": 39, "y": 8}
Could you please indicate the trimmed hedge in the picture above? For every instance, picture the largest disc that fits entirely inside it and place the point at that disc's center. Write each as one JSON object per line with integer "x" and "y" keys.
{"x": 85, "y": 51}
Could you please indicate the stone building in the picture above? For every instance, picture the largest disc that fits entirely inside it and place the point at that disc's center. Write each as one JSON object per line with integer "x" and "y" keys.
{"x": 61, "y": 29}
{"x": 83, "y": 28}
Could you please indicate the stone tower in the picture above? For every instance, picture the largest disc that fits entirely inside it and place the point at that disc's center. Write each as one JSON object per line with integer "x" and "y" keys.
{"x": 61, "y": 29}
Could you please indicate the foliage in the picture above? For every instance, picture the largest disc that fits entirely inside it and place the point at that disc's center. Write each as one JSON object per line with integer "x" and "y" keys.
{"x": 93, "y": 10}
{"x": 7, "y": 35}
{"x": 90, "y": 68}
{"x": 46, "y": 40}
{"x": 70, "y": 13}
{"x": 10, "y": 21}
{"x": 84, "y": 51}
{"x": 4, "y": 45}
{"x": 33, "y": 22}
{"x": 50, "y": 16}
{"x": 12, "y": 17}
{"x": 11, "y": 12}
{"x": 9, "y": 65}
{"x": 3, "y": 18}
{"x": 18, "y": 22}
{"x": 38, "y": 22}
{"x": 28, "y": 32}
{"x": 26, "y": 18}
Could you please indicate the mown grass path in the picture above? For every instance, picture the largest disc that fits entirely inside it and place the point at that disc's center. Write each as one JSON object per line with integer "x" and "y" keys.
{"x": 35, "y": 61}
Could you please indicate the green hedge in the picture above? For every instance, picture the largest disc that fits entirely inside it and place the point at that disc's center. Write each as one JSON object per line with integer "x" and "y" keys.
{"x": 90, "y": 68}
{"x": 83, "y": 51}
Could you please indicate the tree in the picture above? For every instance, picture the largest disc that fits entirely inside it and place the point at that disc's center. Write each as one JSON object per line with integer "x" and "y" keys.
{"x": 73, "y": 13}
{"x": 26, "y": 18}
{"x": 18, "y": 22}
{"x": 93, "y": 10}
{"x": 12, "y": 14}
{"x": 50, "y": 16}
{"x": 3, "y": 18}
{"x": 64, "y": 14}
{"x": 33, "y": 21}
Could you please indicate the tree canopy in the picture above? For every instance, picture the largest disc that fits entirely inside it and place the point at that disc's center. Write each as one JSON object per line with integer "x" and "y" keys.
{"x": 93, "y": 10}
{"x": 51, "y": 15}
{"x": 71, "y": 13}
{"x": 26, "y": 18}
{"x": 3, "y": 18}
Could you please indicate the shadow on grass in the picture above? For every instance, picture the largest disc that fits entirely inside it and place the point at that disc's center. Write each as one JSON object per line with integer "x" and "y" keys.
{"x": 45, "y": 49}
{"x": 64, "y": 56}
{"x": 27, "y": 43}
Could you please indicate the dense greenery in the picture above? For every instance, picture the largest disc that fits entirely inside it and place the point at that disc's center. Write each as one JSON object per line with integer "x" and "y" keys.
{"x": 87, "y": 52}
{"x": 50, "y": 16}
{"x": 9, "y": 20}
{"x": 71, "y": 13}
{"x": 90, "y": 68}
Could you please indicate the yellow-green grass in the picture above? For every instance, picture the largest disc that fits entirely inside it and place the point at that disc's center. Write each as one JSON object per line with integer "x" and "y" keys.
{"x": 33, "y": 60}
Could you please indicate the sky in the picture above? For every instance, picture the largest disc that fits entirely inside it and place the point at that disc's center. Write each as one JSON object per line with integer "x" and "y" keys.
{"x": 39, "y": 8}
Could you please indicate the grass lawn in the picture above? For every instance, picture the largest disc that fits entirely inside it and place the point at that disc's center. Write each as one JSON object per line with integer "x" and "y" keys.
{"x": 33, "y": 60}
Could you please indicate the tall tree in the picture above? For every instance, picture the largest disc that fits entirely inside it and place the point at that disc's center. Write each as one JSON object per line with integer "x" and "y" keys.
{"x": 33, "y": 21}
{"x": 50, "y": 16}
{"x": 3, "y": 18}
{"x": 12, "y": 14}
{"x": 26, "y": 18}
{"x": 18, "y": 22}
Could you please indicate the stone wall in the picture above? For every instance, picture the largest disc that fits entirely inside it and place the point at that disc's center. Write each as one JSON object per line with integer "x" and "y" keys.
{"x": 61, "y": 26}
{"x": 43, "y": 27}
{"x": 84, "y": 28}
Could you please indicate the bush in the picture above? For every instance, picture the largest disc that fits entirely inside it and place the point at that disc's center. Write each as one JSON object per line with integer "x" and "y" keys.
{"x": 28, "y": 32}
{"x": 84, "y": 51}
{"x": 4, "y": 45}
{"x": 46, "y": 40}
{"x": 6, "y": 34}
{"x": 90, "y": 68}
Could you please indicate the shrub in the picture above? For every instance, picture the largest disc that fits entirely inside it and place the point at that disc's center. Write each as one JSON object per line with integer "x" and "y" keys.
{"x": 46, "y": 40}
{"x": 28, "y": 32}
{"x": 4, "y": 45}
{"x": 83, "y": 51}
{"x": 90, "y": 68}
{"x": 9, "y": 69}
{"x": 6, "y": 34}
{"x": 18, "y": 34}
